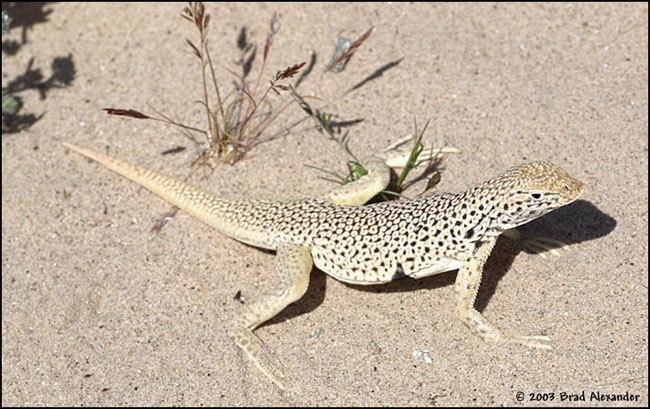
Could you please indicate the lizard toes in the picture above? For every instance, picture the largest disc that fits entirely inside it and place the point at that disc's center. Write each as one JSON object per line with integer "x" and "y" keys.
{"x": 260, "y": 355}
{"x": 531, "y": 341}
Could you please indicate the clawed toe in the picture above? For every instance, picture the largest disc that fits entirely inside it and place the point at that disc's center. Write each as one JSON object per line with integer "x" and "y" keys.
{"x": 537, "y": 245}
{"x": 399, "y": 159}
{"x": 531, "y": 341}
{"x": 260, "y": 356}
{"x": 543, "y": 244}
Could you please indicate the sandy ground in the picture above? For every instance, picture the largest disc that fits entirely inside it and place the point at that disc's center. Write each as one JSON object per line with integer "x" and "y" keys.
{"x": 95, "y": 310}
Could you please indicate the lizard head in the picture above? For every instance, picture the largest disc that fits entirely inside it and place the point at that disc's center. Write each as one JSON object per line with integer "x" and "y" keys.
{"x": 531, "y": 190}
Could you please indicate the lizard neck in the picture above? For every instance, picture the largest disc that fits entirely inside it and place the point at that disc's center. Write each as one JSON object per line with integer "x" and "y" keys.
{"x": 481, "y": 205}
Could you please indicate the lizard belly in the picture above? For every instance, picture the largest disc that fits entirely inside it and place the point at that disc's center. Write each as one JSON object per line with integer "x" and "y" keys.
{"x": 375, "y": 271}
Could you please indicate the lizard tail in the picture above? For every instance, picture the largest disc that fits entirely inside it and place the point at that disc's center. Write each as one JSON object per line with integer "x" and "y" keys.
{"x": 230, "y": 217}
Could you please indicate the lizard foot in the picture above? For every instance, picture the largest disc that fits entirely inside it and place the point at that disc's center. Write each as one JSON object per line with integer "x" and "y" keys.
{"x": 537, "y": 245}
{"x": 397, "y": 158}
{"x": 260, "y": 355}
{"x": 531, "y": 341}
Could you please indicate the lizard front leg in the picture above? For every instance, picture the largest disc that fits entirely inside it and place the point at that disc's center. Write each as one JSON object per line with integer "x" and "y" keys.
{"x": 294, "y": 264}
{"x": 467, "y": 285}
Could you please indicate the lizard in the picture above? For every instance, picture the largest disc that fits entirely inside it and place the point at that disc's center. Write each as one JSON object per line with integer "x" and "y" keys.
{"x": 368, "y": 244}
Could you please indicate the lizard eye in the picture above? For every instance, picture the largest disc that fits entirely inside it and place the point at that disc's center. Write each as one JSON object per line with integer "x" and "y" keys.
{"x": 536, "y": 195}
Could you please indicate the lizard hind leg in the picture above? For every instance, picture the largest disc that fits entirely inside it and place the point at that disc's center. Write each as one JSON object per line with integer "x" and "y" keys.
{"x": 294, "y": 265}
{"x": 378, "y": 166}
{"x": 363, "y": 189}
{"x": 396, "y": 157}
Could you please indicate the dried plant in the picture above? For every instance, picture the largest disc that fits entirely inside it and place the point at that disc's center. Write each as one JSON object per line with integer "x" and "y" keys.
{"x": 234, "y": 121}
